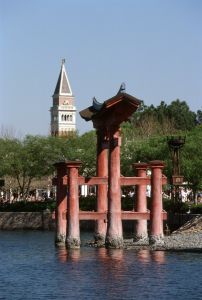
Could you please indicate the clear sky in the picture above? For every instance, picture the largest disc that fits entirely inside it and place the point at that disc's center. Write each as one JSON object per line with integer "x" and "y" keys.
{"x": 154, "y": 46}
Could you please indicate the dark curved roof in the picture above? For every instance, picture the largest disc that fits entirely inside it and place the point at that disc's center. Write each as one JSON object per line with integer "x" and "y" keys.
{"x": 113, "y": 111}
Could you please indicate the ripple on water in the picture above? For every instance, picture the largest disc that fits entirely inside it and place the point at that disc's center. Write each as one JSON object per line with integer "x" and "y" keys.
{"x": 32, "y": 268}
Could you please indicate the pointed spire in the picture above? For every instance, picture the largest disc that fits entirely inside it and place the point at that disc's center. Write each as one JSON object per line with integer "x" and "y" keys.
{"x": 63, "y": 86}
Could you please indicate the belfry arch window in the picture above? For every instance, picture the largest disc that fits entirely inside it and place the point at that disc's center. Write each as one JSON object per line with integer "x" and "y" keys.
{"x": 67, "y": 117}
{"x": 62, "y": 117}
{"x": 70, "y": 118}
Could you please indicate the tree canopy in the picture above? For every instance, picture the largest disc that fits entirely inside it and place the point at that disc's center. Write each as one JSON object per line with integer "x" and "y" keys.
{"x": 144, "y": 139}
{"x": 164, "y": 119}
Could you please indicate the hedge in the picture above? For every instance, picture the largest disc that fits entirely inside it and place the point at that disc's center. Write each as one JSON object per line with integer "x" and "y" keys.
{"x": 89, "y": 204}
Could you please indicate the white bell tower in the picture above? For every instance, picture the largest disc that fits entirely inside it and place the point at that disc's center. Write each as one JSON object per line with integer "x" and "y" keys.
{"x": 63, "y": 111}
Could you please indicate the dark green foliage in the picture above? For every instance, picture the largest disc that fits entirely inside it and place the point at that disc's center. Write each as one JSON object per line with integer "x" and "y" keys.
{"x": 127, "y": 203}
{"x": 144, "y": 139}
{"x": 199, "y": 117}
{"x": 196, "y": 209}
{"x": 184, "y": 119}
{"x": 85, "y": 203}
{"x": 34, "y": 156}
{"x": 175, "y": 207}
{"x": 24, "y": 206}
{"x": 191, "y": 158}
{"x": 88, "y": 203}
{"x": 164, "y": 119}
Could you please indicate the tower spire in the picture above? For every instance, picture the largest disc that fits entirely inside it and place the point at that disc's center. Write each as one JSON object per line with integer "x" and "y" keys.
{"x": 63, "y": 111}
{"x": 63, "y": 86}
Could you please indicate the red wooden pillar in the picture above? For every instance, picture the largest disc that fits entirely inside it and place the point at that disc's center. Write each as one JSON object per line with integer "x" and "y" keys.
{"x": 114, "y": 237}
{"x": 102, "y": 171}
{"x": 156, "y": 221}
{"x": 141, "y": 234}
{"x": 61, "y": 203}
{"x": 73, "y": 230}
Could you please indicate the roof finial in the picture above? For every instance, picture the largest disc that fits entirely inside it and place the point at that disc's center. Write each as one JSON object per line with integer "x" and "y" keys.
{"x": 122, "y": 88}
{"x": 63, "y": 61}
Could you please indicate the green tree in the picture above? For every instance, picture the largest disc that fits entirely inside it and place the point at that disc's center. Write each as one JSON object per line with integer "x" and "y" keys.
{"x": 25, "y": 160}
{"x": 179, "y": 111}
{"x": 164, "y": 119}
{"x": 192, "y": 159}
{"x": 34, "y": 156}
{"x": 199, "y": 116}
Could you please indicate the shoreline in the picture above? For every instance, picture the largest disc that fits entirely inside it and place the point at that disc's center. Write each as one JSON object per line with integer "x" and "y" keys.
{"x": 186, "y": 238}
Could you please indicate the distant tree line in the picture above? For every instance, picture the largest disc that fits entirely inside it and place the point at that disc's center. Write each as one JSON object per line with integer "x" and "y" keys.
{"x": 144, "y": 139}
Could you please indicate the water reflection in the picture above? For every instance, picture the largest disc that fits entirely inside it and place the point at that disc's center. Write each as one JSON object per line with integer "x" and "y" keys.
{"x": 110, "y": 254}
{"x": 115, "y": 256}
{"x": 158, "y": 257}
{"x": 65, "y": 254}
{"x": 92, "y": 273}
{"x": 146, "y": 256}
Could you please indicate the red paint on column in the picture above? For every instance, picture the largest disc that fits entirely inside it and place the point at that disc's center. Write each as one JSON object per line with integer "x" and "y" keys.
{"x": 102, "y": 171}
{"x": 114, "y": 230}
{"x": 73, "y": 230}
{"x": 61, "y": 203}
{"x": 156, "y": 222}
{"x": 141, "y": 202}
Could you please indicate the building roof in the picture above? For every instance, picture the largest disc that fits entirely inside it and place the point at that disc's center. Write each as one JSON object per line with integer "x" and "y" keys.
{"x": 111, "y": 112}
{"x": 63, "y": 86}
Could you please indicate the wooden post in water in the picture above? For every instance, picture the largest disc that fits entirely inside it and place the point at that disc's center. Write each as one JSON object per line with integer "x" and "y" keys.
{"x": 73, "y": 230}
{"x": 102, "y": 189}
{"x": 114, "y": 238}
{"x": 156, "y": 221}
{"x": 141, "y": 234}
{"x": 61, "y": 204}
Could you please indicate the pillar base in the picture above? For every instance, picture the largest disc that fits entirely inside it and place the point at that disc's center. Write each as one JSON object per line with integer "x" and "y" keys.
{"x": 141, "y": 239}
{"x": 156, "y": 240}
{"x": 99, "y": 239}
{"x": 114, "y": 242}
{"x": 73, "y": 243}
{"x": 60, "y": 239}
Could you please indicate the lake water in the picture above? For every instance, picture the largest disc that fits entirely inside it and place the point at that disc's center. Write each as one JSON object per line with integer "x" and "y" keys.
{"x": 32, "y": 268}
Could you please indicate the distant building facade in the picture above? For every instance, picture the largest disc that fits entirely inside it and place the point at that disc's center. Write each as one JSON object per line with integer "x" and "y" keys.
{"x": 63, "y": 111}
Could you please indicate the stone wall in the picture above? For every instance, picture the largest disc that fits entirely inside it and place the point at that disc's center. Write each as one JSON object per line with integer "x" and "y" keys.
{"x": 26, "y": 220}
{"x": 43, "y": 221}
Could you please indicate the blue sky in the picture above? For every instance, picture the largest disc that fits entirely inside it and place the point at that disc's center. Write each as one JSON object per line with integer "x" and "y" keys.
{"x": 154, "y": 46}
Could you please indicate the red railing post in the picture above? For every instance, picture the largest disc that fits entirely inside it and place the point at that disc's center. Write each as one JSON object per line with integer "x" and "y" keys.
{"x": 102, "y": 189}
{"x": 114, "y": 237}
{"x": 61, "y": 203}
{"x": 73, "y": 229}
{"x": 156, "y": 221}
{"x": 141, "y": 234}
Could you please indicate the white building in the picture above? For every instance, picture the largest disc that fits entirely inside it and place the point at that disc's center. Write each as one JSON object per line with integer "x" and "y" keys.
{"x": 63, "y": 111}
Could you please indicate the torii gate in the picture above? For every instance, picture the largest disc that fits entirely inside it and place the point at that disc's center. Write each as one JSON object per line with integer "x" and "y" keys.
{"x": 107, "y": 118}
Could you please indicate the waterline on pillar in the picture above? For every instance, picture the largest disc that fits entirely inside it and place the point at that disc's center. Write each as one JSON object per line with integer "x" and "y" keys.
{"x": 114, "y": 242}
{"x": 60, "y": 239}
{"x": 156, "y": 240}
{"x": 99, "y": 239}
{"x": 141, "y": 239}
{"x": 73, "y": 243}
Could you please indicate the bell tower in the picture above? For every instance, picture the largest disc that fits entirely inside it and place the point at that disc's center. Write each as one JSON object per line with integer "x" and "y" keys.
{"x": 63, "y": 111}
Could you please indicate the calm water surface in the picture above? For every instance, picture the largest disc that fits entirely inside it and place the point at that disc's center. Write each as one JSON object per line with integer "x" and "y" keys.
{"x": 32, "y": 268}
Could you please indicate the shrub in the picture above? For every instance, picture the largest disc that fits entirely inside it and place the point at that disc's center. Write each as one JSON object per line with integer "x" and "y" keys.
{"x": 25, "y": 206}
{"x": 175, "y": 207}
{"x": 127, "y": 203}
{"x": 87, "y": 203}
{"x": 196, "y": 209}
